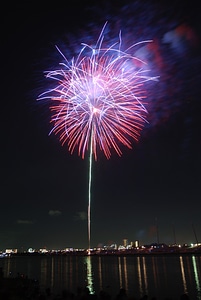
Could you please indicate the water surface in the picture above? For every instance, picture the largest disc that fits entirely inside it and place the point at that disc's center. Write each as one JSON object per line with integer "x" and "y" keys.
{"x": 161, "y": 276}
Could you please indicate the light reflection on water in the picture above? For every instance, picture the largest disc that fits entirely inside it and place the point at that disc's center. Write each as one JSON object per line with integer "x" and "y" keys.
{"x": 90, "y": 274}
{"x": 183, "y": 274}
{"x": 158, "y": 276}
{"x": 139, "y": 275}
{"x": 197, "y": 274}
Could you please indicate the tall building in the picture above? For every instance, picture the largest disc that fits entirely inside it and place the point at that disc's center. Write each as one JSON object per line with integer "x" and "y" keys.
{"x": 136, "y": 244}
{"x": 125, "y": 242}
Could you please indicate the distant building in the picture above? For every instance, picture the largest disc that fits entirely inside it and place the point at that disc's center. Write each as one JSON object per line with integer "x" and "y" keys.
{"x": 125, "y": 242}
{"x": 43, "y": 250}
{"x": 10, "y": 251}
{"x": 137, "y": 244}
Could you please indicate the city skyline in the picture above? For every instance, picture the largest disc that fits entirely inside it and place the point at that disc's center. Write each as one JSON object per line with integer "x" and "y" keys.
{"x": 44, "y": 187}
{"x": 133, "y": 247}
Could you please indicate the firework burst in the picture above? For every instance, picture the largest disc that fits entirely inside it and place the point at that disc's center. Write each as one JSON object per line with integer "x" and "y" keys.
{"x": 98, "y": 101}
{"x": 98, "y": 96}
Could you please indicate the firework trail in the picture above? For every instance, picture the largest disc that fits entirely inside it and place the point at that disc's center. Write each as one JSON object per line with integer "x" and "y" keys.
{"x": 97, "y": 103}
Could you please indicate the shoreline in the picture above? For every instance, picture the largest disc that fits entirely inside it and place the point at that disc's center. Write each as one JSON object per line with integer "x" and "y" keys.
{"x": 105, "y": 253}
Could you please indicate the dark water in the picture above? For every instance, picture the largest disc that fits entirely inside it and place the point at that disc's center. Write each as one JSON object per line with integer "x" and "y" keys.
{"x": 159, "y": 276}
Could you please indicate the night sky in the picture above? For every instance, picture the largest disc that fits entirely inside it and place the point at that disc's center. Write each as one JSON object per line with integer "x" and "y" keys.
{"x": 44, "y": 189}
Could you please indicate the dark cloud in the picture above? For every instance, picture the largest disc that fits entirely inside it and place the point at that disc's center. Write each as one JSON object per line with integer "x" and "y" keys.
{"x": 54, "y": 213}
{"x": 25, "y": 222}
{"x": 80, "y": 215}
